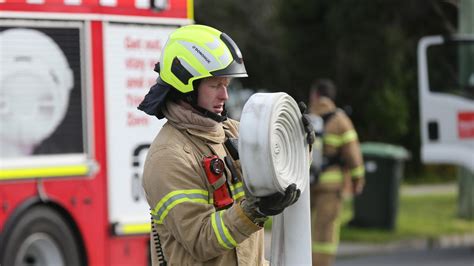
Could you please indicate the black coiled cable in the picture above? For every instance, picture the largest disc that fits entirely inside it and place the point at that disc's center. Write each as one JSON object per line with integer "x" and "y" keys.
{"x": 158, "y": 248}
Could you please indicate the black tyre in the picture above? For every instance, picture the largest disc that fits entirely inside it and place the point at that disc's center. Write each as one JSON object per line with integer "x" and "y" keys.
{"x": 41, "y": 237}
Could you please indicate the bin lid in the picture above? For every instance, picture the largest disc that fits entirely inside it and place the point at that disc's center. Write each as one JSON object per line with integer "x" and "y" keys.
{"x": 385, "y": 150}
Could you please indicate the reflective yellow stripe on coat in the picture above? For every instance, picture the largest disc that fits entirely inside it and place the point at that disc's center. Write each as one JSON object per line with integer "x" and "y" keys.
{"x": 334, "y": 176}
{"x": 174, "y": 198}
{"x": 237, "y": 190}
{"x": 358, "y": 172}
{"x": 222, "y": 233}
{"x": 339, "y": 140}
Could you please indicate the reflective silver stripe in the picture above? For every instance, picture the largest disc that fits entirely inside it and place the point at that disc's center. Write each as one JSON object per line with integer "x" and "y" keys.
{"x": 214, "y": 44}
{"x": 223, "y": 235}
{"x": 189, "y": 68}
{"x": 208, "y": 60}
{"x": 176, "y": 197}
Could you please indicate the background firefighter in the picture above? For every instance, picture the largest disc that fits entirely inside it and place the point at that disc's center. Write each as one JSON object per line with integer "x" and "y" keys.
{"x": 341, "y": 153}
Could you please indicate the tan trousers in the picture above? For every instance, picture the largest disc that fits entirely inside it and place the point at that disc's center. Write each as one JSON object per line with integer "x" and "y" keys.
{"x": 325, "y": 210}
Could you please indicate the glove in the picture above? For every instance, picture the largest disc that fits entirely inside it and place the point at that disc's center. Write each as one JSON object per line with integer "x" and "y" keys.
{"x": 258, "y": 209}
{"x": 277, "y": 202}
{"x": 308, "y": 127}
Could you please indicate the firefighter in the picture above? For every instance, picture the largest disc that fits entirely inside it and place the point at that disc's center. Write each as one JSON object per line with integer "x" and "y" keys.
{"x": 341, "y": 153}
{"x": 200, "y": 210}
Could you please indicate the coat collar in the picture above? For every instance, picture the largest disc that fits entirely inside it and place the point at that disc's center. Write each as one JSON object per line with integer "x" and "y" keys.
{"x": 182, "y": 117}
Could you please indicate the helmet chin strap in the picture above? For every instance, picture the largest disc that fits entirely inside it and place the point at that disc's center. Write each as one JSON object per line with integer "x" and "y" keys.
{"x": 209, "y": 114}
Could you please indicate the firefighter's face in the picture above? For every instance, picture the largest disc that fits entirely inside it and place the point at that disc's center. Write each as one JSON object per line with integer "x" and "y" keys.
{"x": 313, "y": 97}
{"x": 212, "y": 94}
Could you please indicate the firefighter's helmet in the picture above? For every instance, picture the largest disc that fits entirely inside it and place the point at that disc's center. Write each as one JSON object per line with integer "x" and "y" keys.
{"x": 195, "y": 52}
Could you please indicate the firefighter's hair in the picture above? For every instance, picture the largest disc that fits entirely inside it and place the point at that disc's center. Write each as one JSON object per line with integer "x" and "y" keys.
{"x": 324, "y": 87}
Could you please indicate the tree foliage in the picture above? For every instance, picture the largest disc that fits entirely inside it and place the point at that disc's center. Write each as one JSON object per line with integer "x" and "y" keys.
{"x": 367, "y": 47}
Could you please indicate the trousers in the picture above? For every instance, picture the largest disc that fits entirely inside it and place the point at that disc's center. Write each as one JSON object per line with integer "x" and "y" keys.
{"x": 326, "y": 206}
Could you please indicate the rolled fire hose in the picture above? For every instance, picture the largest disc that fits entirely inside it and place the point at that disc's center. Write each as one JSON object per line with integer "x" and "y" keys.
{"x": 274, "y": 154}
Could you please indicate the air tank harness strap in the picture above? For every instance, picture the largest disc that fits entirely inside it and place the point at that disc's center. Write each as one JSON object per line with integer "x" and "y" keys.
{"x": 329, "y": 160}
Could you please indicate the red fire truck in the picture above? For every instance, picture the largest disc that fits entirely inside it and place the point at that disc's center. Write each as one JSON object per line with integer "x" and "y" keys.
{"x": 72, "y": 142}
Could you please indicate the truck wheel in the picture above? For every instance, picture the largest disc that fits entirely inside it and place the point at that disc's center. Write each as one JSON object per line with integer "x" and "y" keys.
{"x": 41, "y": 237}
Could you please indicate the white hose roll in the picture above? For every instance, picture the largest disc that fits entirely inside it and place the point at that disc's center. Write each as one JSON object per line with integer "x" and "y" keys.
{"x": 272, "y": 145}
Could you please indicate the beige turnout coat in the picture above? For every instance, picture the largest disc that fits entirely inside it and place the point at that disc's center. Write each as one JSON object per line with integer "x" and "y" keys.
{"x": 192, "y": 231}
{"x": 339, "y": 137}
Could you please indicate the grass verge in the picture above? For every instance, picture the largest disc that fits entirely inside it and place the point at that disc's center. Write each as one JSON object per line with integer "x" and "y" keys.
{"x": 425, "y": 216}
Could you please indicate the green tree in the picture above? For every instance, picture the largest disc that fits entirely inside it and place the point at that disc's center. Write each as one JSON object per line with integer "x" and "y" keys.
{"x": 367, "y": 47}
{"x": 252, "y": 26}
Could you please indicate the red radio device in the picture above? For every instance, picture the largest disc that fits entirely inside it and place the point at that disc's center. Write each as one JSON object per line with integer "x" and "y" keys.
{"x": 214, "y": 168}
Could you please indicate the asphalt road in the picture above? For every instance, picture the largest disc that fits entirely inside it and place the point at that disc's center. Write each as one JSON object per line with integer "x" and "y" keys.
{"x": 462, "y": 256}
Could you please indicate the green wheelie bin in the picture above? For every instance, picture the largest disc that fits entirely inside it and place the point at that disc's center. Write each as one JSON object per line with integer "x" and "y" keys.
{"x": 377, "y": 205}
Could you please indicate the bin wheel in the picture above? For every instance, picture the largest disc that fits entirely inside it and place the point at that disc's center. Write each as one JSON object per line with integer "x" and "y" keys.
{"x": 41, "y": 237}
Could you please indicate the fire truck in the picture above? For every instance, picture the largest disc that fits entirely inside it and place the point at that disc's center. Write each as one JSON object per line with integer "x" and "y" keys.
{"x": 72, "y": 142}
